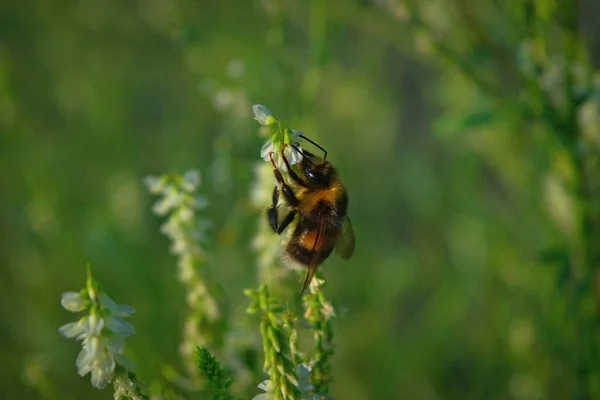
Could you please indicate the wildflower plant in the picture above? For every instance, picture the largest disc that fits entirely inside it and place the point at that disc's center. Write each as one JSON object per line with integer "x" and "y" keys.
{"x": 102, "y": 331}
{"x": 267, "y": 245}
{"x": 319, "y": 313}
{"x": 281, "y": 137}
{"x": 277, "y": 327}
{"x": 278, "y": 364}
{"x": 219, "y": 379}
{"x": 292, "y": 375}
{"x": 180, "y": 203}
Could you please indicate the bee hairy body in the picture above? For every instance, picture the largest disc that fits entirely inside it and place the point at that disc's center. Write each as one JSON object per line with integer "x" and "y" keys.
{"x": 318, "y": 201}
{"x": 326, "y": 210}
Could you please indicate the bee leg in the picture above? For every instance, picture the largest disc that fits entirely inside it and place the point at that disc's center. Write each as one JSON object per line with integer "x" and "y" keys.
{"x": 272, "y": 210}
{"x": 272, "y": 215}
{"x": 285, "y": 223}
{"x": 291, "y": 173}
{"x": 286, "y": 190}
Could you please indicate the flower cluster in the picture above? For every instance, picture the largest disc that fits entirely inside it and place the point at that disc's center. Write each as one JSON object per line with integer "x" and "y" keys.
{"x": 303, "y": 373}
{"x": 187, "y": 231}
{"x": 283, "y": 382}
{"x": 265, "y": 243}
{"x": 102, "y": 331}
{"x": 284, "y": 139}
{"x": 126, "y": 385}
{"x": 319, "y": 313}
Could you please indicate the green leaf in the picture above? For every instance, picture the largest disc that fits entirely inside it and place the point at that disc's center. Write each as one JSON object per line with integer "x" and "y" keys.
{"x": 220, "y": 379}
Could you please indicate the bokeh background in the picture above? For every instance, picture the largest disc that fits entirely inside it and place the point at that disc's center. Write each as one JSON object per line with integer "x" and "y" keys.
{"x": 454, "y": 192}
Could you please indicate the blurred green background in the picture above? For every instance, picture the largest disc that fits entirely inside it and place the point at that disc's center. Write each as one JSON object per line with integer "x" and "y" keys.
{"x": 452, "y": 193}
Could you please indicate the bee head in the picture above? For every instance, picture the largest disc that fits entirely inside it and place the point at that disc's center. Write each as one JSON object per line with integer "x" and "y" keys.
{"x": 318, "y": 172}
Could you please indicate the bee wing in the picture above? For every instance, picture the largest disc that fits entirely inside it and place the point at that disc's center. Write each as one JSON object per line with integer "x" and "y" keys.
{"x": 345, "y": 244}
{"x": 313, "y": 266}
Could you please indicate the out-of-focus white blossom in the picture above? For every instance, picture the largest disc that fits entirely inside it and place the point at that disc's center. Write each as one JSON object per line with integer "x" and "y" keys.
{"x": 186, "y": 229}
{"x": 235, "y": 69}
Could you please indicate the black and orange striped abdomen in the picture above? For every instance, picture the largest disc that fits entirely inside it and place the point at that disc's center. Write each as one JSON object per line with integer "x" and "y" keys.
{"x": 320, "y": 210}
{"x": 302, "y": 249}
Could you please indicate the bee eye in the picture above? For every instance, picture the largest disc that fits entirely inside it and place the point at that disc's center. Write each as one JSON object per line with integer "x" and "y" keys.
{"x": 314, "y": 176}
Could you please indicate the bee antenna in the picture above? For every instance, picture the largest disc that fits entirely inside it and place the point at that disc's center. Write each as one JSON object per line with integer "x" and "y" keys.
{"x": 301, "y": 152}
{"x": 322, "y": 149}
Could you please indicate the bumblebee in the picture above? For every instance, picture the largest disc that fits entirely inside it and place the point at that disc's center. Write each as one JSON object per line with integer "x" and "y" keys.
{"x": 318, "y": 202}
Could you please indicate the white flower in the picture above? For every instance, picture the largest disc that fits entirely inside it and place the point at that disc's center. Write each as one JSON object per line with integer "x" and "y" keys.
{"x": 292, "y": 154}
{"x": 155, "y": 184}
{"x": 75, "y": 329}
{"x": 125, "y": 387}
{"x": 96, "y": 324}
{"x": 200, "y": 202}
{"x": 235, "y": 68}
{"x": 96, "y": 358}
{"x": 267, "y": 386}
{"x": 102, "y": 331}
{"x": 73, "y": 301}
{"x": 119, "y": 310}
{"x": 119, "y": 326}
{"x": 103, "y": 369}
{"x": 263, "y": 115}
{"x": 191, "y": 180}
{"x": 186, "y": 270}
{"x": 303, "y": 374}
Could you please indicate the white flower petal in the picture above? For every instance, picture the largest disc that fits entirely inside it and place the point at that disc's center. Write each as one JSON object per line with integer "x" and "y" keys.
{"x": 107, "y": 302}
{"x": 303, "y": 374}
{"x": 262, "y": 396}
{"x": 185, "y": 214}
{"x": 101, "y": 378}
{"x": 116, "y": 344}
{"x": 262, "y": 114}
{"x": 265, "y": 385}
{"x": 96, "y": 323}
{"x": 155, "y": 184}
{"x": 170, "y": 228}
{"x": 200, "y": 202}
{"x": 73, "y": 301}
{"x": 83, "y": 363}
{"x": 118, "y": 310}
{"x": 191, "y": 180}
{"x": 105, "y": 362}
{"x": 94, "y": 346}
{"x": 293, "y": 156}
{"x": 124, "y": 310}
{"x": 119, "y": 326}
{"x": 124, "y": 361}
{"x": 266, "y": 149}
{"x": 162, "y": 206}
{"x": 278, "y": 160}
{"x": 73, "y": 329}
